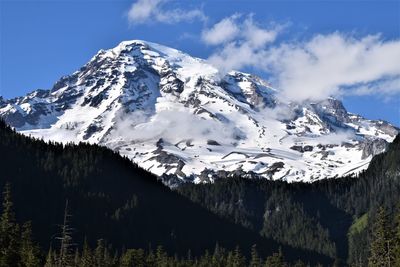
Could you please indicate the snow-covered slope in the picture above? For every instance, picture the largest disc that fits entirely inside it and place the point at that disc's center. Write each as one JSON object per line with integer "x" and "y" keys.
{"x": 178, "y": 117}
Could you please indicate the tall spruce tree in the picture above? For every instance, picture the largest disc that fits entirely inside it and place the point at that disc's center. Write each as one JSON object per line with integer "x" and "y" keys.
{"x": 381, "y": 249}
{"x": 87, "y": 255}
{"x": 50, "y": 259}
{"x": 396, "y": 249}
{"x": 238, "y": 259}
{"x": 276, "y": 260}
{"x": 9, "y": 231}
{"x": 29, "y": 251}
{"x": 255, "y": 260}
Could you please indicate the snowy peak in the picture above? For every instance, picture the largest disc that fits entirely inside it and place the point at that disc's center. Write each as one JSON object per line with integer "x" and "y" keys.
{"x": 178, "y": 117}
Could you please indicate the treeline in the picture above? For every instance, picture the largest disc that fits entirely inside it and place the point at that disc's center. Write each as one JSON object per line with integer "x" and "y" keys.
{"x": 17, "y": 248}
{"x": 333, "y": 217}
{"x": 113, "y": 199}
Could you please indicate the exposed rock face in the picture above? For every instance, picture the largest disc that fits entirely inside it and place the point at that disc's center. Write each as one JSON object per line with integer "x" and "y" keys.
{"x": 178, "y": 117}
{"x": 373, "y": 147}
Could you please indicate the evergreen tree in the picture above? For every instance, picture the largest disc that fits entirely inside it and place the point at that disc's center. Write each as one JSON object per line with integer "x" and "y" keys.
{"x": 161, "y": 257}
{"x": 151, "y": 258}
{"x": 276, "y": 260}
{"x": 255, "y": 260}
{"x": 87, "y": 257}
{"x": 29, "y": 252}
{"x": 218, "y": 257}
{"x": 133, "y": 257}
{"x": 77, "y": 258}
{"x": 50, "y": 259}
{"x": 396, "y": 245}
{"x": 238, "y": 259}
{"x": 381, "y": 244}
{"x": 99, "y": 253}
{"x": 9, "y": 245}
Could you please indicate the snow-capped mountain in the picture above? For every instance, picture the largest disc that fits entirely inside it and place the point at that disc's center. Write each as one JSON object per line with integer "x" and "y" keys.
{"x": 178, "y": 117}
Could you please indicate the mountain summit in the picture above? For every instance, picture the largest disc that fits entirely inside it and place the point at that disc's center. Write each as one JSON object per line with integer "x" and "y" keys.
{"x": 182, "y": 119}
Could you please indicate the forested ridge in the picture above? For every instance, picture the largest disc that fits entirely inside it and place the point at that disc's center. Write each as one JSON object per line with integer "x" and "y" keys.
{"x": 121, "y": 215}
{"x": 111, "y": 199}
{"x": 335, "y": 217}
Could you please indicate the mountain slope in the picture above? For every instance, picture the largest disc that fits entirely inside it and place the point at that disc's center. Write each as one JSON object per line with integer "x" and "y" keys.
{"x": 318, "y": 216}
{"x": 179, "y": 117}
{"x": 111, "y": 198}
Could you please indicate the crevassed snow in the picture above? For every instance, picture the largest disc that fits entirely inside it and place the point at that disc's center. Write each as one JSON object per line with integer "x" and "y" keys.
{"x": 174, "y": 114}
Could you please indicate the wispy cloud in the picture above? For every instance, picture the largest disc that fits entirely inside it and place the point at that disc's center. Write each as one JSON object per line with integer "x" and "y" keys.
{"x": 223, "y": 31}
{"x": 174, "y": 126}
{"x": 146, "y": 11}
{"x": 241, "y": 42}
{"x": 335, "y": 64}
{"x": 324, "y": 65}
{"x": 387, "y": 87}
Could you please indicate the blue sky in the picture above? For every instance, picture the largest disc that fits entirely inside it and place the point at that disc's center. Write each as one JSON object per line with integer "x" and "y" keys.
{"x": 42, "y": 40}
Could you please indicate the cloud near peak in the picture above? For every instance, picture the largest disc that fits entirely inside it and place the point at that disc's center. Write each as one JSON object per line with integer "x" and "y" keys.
{"x": 324, "y": 65}
{"x": 321, "y": 66}
{"x": 147, "y": 11}
{"x": 333, "y": 65}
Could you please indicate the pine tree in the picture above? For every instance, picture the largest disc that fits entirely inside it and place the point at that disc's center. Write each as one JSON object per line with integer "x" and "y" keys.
{"x": 50, "y": 259}
{"x": 396, "y": 249}
{"x": 77, "y": 258}
{"x": 238, "y": 258}
{"x": 151, "y": 258}
{"x": 161, "y": 257}
{"x": 255, "y": 260}
{"x": 29, "y": 252}
{"x": 9, "y": 245}
{"x": 218, "y": 258}
{"x": 133, "y": 257}
{"x": 87, "y": 257}
{"x": 276, "y": 260}
{"x": 381, "y": 244}
{"x": 99, "y": 253}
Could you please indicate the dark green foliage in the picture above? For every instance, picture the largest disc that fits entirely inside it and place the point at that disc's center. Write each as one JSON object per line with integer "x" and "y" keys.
{"x": 276, "y": 260}
{"x": 396, "y": 246}
{"x": 112, "y": 198}
{"x": 9, "y": 231}
{"x": 315, "y": 216}
{"x": 50, "y": 259}
{"x": 16, "y": 245}
{"x": 115, "y": 200}
{"x": 295, "y": 214}
{"x": 382, "y": 244}
{"x": 29, "y": 251}
{"x": 255, "y": 260}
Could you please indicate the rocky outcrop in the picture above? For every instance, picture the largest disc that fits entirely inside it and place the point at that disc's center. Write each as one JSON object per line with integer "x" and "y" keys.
{"x": 373, "y": 147}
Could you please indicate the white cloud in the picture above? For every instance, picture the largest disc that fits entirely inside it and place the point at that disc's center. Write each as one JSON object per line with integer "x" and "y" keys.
{"x": 335, "y": 64}
{"x": 259, "y": 37}
{"x": 388, "y": 87}
{"x": 174, "y": 125}
{"x": 243, "y": 42}
{"x": 142, "y": 10}
{"x": 146, "y": 11}
{"x": 325, "y": 65}
{"x": 222, "y": 32}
